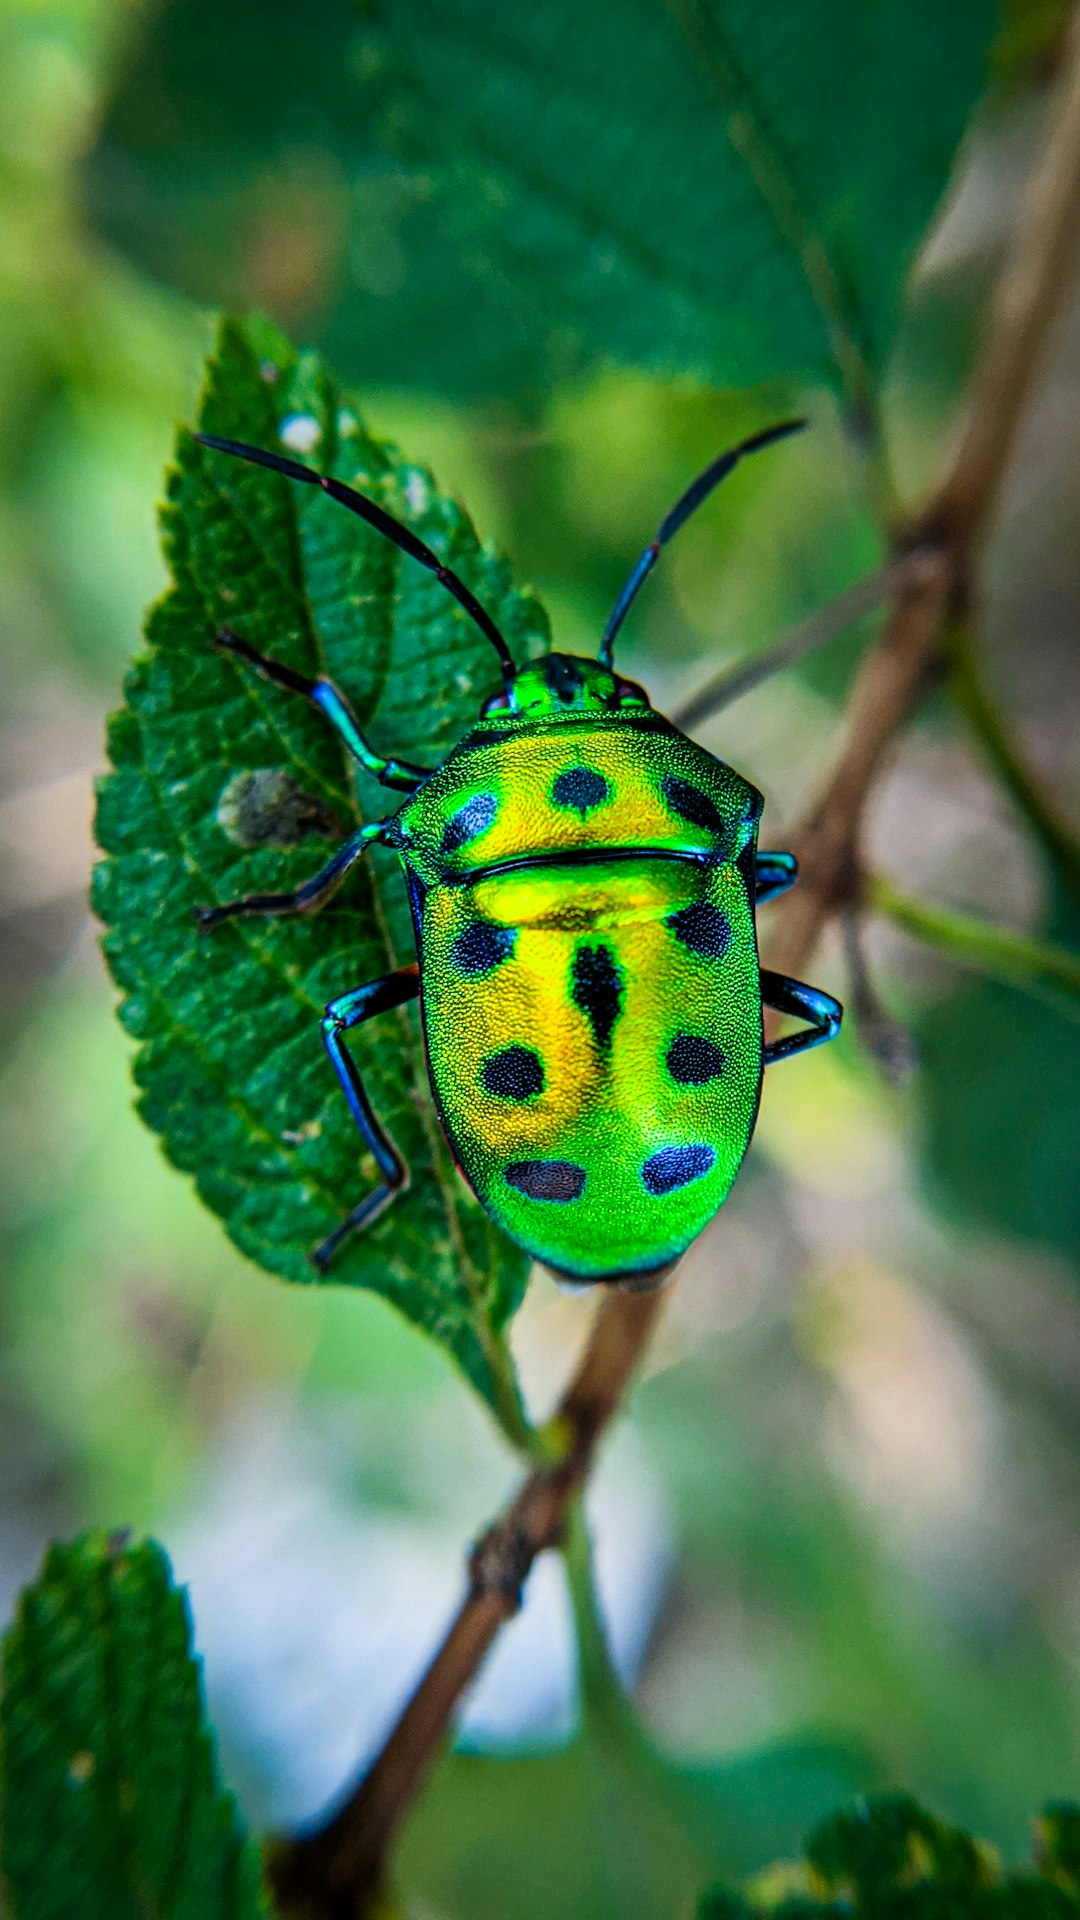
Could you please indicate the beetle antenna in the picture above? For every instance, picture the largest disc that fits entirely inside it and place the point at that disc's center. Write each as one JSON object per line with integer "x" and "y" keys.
{"x": 690, "y": 501}
{"x": 383, "y": 523}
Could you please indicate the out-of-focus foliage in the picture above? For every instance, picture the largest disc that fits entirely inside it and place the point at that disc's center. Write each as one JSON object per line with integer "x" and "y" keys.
{"x": 110, "y": 1804}
{"x": 224, "y": 1020}
{"x": 674, "y": 185}
{"x": 669, "y": 187}
{"x": 1007, "y": 1054}
{"x": 635, "y": 1830}
{"x": 240, "y": 167}
{"x": 889, "y": 1860}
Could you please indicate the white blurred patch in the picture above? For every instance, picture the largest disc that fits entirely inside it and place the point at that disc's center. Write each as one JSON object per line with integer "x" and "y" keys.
{"x": 417, "y": 491}
{"x": 300, "y": 432}
{"x": 316, "y": 1614}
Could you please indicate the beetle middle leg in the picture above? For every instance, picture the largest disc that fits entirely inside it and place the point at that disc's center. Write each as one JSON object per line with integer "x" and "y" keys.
{"x": 784, "y": 995}
{"x": 304, "y": 899}
{"x": 331, "y": 702}
{"x": 774, "y": 873}
{"x": 363, "y": 1003}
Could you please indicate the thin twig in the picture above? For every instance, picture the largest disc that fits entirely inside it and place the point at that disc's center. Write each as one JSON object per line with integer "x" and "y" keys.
{"x": 886, "y": 1040}
{"x": 821, "y": 626}
{"x": 1019, "y": 959}
{"x": 947, "y": 534}
{"x": 886, "y": 688}
{"x": 1060, "y": 842}
{"x": 1027, "y": 301}
{"x": 334, "y": 1872}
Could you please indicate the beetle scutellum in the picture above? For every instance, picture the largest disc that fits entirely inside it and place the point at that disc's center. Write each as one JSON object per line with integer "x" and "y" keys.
{"x": 583, "y": 880}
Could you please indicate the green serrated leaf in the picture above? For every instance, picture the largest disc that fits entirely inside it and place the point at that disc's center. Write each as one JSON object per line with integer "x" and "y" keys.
{"x": 716, "y": 184}
{"x": 229, "y": 1056}
{"x": 111, "y": 1807}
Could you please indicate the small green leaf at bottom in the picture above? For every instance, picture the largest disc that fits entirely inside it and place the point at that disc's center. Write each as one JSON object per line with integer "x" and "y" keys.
{"x": 111, "y": 1807}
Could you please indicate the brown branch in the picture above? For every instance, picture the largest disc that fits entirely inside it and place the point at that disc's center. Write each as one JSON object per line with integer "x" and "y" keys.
{"x": 335, "y": 1873}
{"x": 947, "y": 534}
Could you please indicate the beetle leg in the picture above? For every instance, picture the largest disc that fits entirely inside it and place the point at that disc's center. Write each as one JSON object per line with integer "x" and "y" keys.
{"x": 774, "y": 873}
{"x": 792, "y": 996}
{"x": 363, "y": 1003}
{"x": 326, "y": 697}
{"x": 303, "y": 899}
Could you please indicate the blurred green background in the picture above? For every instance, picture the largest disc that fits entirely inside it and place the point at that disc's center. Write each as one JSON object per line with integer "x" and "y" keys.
{"x": 840, "y": 1534}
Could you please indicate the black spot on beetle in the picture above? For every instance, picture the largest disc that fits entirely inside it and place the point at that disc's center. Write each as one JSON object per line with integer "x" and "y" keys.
{"x": 482, "y": 946}
{"x": 702, "y": 928}
{"x": 691, "y": 804}
{"x": 469, "y": 822}
{"x": 547, "y": 1179}
{"x": 596, "y": 985}
{"x": 692, "y": 1060}
{"x": 676, "y": 1166}
{"x": 514, "y": 1074}
{"x": 581, "y": 788}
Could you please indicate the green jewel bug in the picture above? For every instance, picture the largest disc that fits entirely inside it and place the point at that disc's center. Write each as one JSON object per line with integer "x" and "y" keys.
{"x": 583, "y": 881}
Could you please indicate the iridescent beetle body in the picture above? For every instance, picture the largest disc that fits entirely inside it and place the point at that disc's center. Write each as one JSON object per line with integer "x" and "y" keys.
{"x": 593, "y": 1029}
{"x": 583, "y": 881}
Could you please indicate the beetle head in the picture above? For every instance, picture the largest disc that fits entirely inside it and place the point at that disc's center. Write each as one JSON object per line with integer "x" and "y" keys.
{"x": 562, "y": 683}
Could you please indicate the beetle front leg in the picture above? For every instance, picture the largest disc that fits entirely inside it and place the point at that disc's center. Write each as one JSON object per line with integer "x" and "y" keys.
{"x": 774, "y": 873}
{"x": 363, "y": 1003}
{"x": 306, "y": 899}
{"x": 323, "y": 694}
{"x": 810, "y": 1003}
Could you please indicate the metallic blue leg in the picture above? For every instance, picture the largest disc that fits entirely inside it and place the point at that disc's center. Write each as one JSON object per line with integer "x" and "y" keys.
{"x": 305, "y": 899}
{"x": 325, "y": 696}
{"x": 378, "y": 996}
{"x": 774, "y": 874}
{"x": 809, "y": 1003}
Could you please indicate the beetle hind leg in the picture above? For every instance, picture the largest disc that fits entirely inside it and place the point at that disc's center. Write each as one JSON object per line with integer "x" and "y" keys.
{"x": 774, "y": 873}
{"x": 363, "y": 1003}
{"x": 823, "y": 1013}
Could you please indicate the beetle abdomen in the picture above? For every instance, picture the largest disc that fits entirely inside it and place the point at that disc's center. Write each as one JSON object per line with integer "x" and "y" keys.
{"x": 594, "y": 1038}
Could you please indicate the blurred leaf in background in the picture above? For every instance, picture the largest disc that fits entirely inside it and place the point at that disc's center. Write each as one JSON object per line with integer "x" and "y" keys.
{"x": 673, "y": 189}
{"x": 676, "y": 186}
{"x": 889, "y": 1860}
{"x": 634, "y": 1833}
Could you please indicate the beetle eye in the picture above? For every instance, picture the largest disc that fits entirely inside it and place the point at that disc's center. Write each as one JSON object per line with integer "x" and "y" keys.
{"x": 630, "y": 694}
